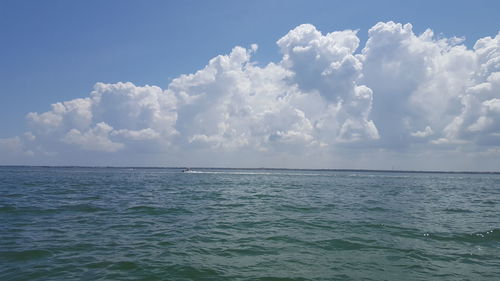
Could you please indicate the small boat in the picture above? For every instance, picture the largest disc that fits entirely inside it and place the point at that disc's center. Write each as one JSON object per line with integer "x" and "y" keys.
{"x": 187, "y": 170}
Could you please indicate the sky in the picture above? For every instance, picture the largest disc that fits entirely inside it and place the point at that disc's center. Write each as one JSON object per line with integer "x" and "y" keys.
{"x": 295, "y": 84}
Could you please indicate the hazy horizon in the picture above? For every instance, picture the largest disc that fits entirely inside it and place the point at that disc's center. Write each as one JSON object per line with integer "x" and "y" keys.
{"x": 200, "y": 168}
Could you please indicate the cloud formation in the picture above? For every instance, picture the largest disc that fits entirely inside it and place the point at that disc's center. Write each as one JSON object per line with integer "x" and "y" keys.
{"x": 400, "y": 93}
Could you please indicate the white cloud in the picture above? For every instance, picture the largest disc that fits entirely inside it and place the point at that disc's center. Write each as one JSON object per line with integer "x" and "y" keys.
{"x": 12, "y": 144}
{"x": 64, "y": 115}
{"x": 401, "y": 92}
{"x": 14, "y": 151}
{"x": 138, "y": 135}
{"x": 479, "y": 118}
{"x": 415, "y": 80}
{"x": 326, "y": 64}
{"x": 423, "y": 134}
{"x": 96, "y": 138}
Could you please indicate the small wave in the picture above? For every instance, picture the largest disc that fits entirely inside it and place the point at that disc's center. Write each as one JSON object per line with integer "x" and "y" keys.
{"x": 340, "y": 244}
{"x": 377, "y": 209}
{"x": 490, "y": 235}
{"x": 78, "y": 247}
{"x": 194, "y": 273}
{"x": 253, "y": 173}
{"x": 165, "y": 243}
{"x": 274, "y": 278}
{"x": 297, "y": 208}
{"x": 149, "y": 210}
{"x": 489, "y": 202}
{"x": 124, "y": 265}
{"x": 457, "y": 210}
{"x": 478, "y": 237}
{"x": 85, "y": 208}
{"x": 7, "y": 209}
{"x": 14, "y": 195}
{"x": 251, "y": 250}
{"x": 100, "y": 264}
{"x": 24, "y": 255}
{"x": 360, "y": 175}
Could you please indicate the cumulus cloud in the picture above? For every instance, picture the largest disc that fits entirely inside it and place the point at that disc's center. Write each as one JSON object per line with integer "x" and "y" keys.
{"x": 96, "y": 138}
{"x": 14, "y": 151}
{"x": 430, "y": 87}
{"x": 400, "y": 92}
{"x": 326, "y": 64}
{"x": 423, "y": 134}
{"x": 10, "y": 144}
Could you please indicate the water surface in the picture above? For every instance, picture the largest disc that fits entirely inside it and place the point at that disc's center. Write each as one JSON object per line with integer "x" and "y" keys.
{"x": 215, "y": 224}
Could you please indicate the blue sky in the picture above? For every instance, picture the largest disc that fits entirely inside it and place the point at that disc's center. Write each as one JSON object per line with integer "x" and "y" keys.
{"x": 55, "y": 51}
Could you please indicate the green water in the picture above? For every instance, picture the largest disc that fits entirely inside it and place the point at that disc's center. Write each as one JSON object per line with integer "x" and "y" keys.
{"x": 214, "y": 224}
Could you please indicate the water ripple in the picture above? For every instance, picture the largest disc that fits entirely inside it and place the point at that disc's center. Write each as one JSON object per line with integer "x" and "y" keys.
{"x": 160, "y": 224}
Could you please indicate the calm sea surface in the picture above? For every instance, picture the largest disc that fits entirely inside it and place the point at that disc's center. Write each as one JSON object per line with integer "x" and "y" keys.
{"x": 162, "y": 224}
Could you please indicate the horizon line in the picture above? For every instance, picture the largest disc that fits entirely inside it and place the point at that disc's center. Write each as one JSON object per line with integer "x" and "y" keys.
{"x": 259, "y": 168}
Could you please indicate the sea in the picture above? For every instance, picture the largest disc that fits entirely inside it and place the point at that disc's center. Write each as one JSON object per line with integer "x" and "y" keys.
{"x": 83, "y": 223}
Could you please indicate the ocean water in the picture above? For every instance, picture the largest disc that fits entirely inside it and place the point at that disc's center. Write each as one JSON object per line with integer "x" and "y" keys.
{"x": 216, "y": 224}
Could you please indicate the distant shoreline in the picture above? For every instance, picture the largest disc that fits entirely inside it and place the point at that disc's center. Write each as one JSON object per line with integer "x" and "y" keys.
{"x": 253, "y": 169}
